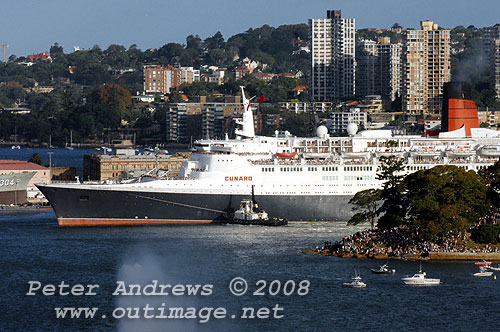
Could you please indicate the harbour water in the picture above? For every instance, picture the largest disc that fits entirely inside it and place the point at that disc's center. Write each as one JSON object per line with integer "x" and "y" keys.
{"x": 34, "y": 248}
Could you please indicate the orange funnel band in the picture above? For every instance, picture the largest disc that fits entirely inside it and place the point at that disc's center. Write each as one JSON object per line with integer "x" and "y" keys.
{"x": 462, "y": 112}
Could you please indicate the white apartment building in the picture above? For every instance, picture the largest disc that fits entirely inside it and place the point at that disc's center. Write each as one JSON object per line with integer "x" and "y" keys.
{"x": 340, "y": 120}
{"x": 305, "y": 107}
{"x": 189, "y": 75}
{"x": 332, "y": 57}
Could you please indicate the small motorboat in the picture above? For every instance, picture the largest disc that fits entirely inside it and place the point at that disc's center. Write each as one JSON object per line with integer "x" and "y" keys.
{"x": 483, "y": 273}
{"x": 383, "y": 269}
{"x": 497, "y": 268}
{"x": 355, "y": 283}
{"x": 483, "y": 263}
{"x": 420, "y": 279}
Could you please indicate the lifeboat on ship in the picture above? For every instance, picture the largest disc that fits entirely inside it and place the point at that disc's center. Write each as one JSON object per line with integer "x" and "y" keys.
{"x": 316, "y": 155}
{"x": 398, "y": 154}
{"x": 460, "y": 152}
{"x": 490, "y": 151}
{"x": 286, "y": 154}
{"x": 426, "y": 152}
{"x": 356, "y": 155}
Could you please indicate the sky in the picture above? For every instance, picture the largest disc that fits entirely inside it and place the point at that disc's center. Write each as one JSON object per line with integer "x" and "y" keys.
{"x": 33, "y": 26}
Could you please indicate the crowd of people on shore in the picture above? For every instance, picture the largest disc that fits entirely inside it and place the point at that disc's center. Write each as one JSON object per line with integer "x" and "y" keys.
{"x": 492, "y": 218}
{"x": 400, "y": 241}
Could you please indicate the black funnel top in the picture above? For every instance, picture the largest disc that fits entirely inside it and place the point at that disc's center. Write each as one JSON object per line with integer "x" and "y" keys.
{"x": 452, "y": 90}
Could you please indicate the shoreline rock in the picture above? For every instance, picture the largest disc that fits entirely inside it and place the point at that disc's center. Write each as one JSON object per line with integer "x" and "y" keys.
{"x": 431, "y": 256}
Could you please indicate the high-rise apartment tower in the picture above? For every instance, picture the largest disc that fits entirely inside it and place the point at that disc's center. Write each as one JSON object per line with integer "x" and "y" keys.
{"x": 426, "y": 67}
{"x": 378, "y": 69}
{"x": 332, "y": 57}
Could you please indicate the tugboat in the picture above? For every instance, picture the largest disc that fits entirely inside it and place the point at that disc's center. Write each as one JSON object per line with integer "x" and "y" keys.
{"x": 250, "y": 214}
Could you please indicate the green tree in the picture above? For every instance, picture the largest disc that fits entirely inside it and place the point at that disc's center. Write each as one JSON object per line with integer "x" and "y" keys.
{"x": 57, "y": 53}
{"x": 214, "y": 42}
{"x": 35, "y": 158}
{"x": 175, "y": 97}
{"x": 444, "y": 199}
{"x": 491, "y": 176}
{"x": 112, "y": 94}
{"x": 194, "y": 43}
{"x": 393, "y": 209}
{"x": 296, "y": 124}
{"x": 170, "y": 53}
{"x": 366, "y": 202}
{"x": 486, "y": 233}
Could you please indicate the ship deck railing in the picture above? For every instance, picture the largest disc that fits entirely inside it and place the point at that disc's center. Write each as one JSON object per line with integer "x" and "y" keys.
{"x": 63, "y": 181}
{"x": 262, "y": 162}
{"x": 252, "y": 153}
{"x": 369, "y": 161}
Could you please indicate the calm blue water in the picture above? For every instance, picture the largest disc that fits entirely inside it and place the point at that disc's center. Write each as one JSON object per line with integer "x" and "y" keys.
{"x": 60, "y": 157}
{"x": 33, "y": 247}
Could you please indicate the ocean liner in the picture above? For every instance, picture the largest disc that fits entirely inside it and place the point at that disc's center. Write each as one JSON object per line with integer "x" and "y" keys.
{"x": 300, "y": 179}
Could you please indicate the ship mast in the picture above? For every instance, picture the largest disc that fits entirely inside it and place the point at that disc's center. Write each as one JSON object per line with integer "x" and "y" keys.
{"x": 246, "y": 129}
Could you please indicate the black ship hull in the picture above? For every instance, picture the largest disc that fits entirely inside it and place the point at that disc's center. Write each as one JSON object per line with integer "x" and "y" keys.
{"x": 96, "y": 207}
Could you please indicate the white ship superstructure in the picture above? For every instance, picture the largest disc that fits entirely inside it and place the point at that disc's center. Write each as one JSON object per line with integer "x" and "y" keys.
{"x": 293, "y": 177}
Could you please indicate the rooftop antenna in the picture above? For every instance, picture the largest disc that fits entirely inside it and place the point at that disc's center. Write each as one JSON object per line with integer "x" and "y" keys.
{"x": 3, "y": 50}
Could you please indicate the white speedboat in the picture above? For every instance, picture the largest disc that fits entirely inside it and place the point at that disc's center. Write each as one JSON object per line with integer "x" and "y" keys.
{"x": 355, "y": 283}
{"x": 483, "y": 273}
{"x": 497, "y": 268}
{"x": 383, "y": 269}
{"x": 420, "y": 279}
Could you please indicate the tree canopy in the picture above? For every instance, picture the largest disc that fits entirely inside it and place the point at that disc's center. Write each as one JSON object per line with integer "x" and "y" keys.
{"x": 444, "y": 199}
{"x": 393, "y": 208}
{"x": 430, "y": 202}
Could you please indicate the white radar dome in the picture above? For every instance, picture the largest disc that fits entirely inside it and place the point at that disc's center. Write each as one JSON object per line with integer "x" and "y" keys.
{"x": 352, "y": 129}
{"x": 321, "y": 131}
